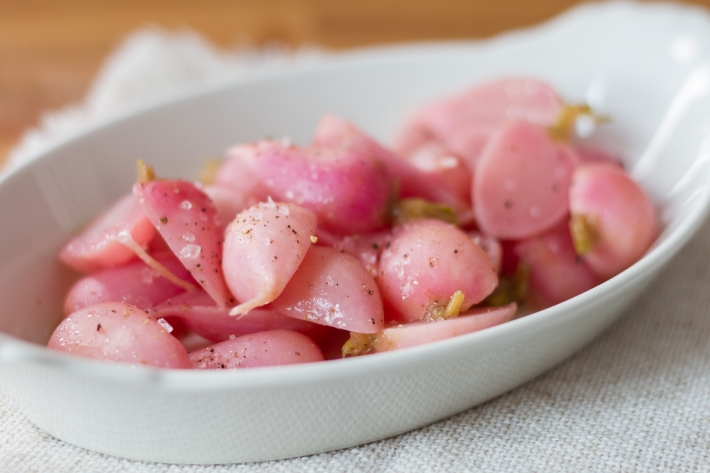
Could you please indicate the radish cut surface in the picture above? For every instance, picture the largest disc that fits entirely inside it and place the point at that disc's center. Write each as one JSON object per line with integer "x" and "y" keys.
{"x": 334, "y": 289}
{"x": 264, "y": 246}
{"x": 189, "y": 223}
{"x": 521, "y": 183}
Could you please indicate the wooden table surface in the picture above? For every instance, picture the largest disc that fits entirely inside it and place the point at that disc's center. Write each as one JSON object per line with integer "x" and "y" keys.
{"x": 51, "y": 49}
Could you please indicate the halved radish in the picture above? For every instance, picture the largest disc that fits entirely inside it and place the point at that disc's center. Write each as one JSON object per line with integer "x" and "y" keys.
{"x": 201, "y": 314}
{"x": 236, "y": 172}
{"x": 366, "y": 248}
{"x": 135, "y": 283}
{"x": 335, "y": 289}
{"x": 334, "y": 132}
{"x": 445, "y": 170}
{"x": 555, "y": 272}
{"x": 227, "y": 201}
{"x": 462, "y": 124}
{"x": 98, "y": 246}
{"x": 521, "y": 182}
{"x": 419, "y": 333}
{"x": 116, "y": 331}
{"x": 272, "y": 348}
{"x": 188, "y": 221}
{"x": 264, "y": 246}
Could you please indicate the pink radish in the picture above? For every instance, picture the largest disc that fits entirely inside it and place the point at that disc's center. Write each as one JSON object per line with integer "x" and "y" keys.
{"x": 491, "y": 247}
{"x": 188, "y": 221}
{"x": 348, "y": 190}
{"x": 521, "y": 182}
{"x": 334, "y": 132}
{"x": 444, "y": 169}
{"x": 613, "y": 220}
{"x": 98, "y": 246}
{"x": 135, "y": 283}
{"x": 273, "y": 348}
{"x": 555, "y": 272}
{"x": 264, "y": 246}
{"x": 462, "y": 124}
{"x": 201, "y": 314}
{"x": 366, "y": 248}
{"x": 227, "y": 201}
{"x": 419, "y": 333}
{"x": 238, "y": 174}
{"x": 427, "y": 263}
{"x": 116, "y": 331}
{"x": 334, "y": 289}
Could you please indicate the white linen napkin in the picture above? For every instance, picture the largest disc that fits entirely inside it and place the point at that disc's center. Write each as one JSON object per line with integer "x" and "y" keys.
{"x": 637, "y": 399}
{"x": 152, "y": 65}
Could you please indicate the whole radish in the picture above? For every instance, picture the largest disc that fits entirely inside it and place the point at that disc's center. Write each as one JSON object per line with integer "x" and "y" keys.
{"x": 348, "y": 190}
{"x": 426, "y": 263}
{"x": 613, "y": 221}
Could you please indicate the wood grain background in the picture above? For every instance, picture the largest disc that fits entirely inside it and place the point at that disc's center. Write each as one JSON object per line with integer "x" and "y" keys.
{"x": 51, "y": 49}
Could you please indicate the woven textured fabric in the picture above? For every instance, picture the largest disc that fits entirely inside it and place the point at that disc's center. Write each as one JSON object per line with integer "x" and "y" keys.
{"x": 636, "y": 399}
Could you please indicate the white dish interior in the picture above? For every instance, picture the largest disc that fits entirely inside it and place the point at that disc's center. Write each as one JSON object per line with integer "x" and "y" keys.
{"x": 647, "y": 66}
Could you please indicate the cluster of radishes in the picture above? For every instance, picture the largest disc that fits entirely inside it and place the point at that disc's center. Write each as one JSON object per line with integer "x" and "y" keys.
{"x": 345, "y": 248}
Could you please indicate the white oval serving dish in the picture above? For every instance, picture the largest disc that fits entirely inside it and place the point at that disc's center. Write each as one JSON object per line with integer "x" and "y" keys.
{"x": 648, "y": 66}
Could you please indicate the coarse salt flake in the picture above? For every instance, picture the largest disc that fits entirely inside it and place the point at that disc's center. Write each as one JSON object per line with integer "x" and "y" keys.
{"x": 164, "y": 323}
{"x": 191, "y": 251}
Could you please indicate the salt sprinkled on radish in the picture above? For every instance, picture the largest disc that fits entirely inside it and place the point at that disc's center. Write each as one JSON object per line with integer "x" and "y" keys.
{"x": 190, "y": 251}
{"x": 164, "y": 323}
